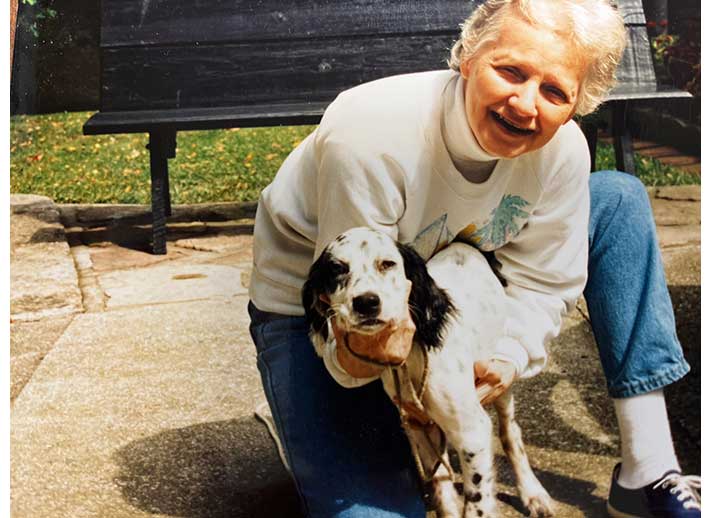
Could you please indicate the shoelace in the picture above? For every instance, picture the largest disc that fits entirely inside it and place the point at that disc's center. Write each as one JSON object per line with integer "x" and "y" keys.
{"x": 685, "y": 487}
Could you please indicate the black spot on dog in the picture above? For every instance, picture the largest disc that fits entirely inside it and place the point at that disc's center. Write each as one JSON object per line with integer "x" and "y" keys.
{"x": 476, "y": 497}
{"x": 469, "y": 456}
{"x": 480, "y": 512}
{"x": 476, "y": 479}
{"x": 364, "y": 244}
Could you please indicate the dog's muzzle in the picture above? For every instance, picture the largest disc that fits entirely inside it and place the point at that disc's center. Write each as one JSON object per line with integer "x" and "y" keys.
{"x": 389, "y": 347}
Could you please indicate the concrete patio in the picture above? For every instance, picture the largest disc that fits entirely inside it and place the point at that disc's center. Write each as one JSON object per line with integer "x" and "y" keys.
{"x": 134, "y": 382}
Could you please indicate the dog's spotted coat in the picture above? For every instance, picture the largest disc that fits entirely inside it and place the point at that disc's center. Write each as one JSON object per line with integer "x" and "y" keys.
{"x": 364, "y": 279}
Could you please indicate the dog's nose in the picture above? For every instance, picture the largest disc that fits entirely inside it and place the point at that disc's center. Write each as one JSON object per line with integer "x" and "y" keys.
{"x": 367, "y": 305}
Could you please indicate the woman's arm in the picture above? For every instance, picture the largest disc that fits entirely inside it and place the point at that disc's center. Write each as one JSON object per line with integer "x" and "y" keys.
{"x": 545, "y": 267}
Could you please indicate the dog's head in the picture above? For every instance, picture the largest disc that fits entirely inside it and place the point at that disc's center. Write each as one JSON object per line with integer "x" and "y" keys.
{"x": 365, "y": 281}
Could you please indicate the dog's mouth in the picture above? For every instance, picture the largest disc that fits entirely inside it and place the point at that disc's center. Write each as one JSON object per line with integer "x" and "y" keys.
{"x": 370, "y": 324}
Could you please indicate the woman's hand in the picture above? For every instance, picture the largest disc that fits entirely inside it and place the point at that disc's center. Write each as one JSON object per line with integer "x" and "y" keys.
{"x": 493, "y": 378}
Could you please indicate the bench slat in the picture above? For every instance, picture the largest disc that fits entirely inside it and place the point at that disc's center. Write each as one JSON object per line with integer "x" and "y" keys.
{"x": 228, "y": 75}
{"x": 170, "y": 22}
{"x": 633, "y": 92}
{"x": 140, "y": 121}
{"x": 636, "y": 66}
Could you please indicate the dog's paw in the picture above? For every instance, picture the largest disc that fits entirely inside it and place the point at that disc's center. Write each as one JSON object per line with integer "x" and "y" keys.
{"x": 540, "y": 505}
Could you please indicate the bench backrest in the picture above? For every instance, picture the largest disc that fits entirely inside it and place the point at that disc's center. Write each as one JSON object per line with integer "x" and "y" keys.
{"x": 211, "y": 53}
{"x": 166, "y": 54}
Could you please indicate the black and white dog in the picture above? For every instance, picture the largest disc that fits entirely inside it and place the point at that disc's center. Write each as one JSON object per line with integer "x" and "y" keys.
{"x": 364, "y": 281}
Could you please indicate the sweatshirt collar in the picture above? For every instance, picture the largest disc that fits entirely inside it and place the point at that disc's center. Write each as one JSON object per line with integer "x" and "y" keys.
{"x": 461, "y": 143}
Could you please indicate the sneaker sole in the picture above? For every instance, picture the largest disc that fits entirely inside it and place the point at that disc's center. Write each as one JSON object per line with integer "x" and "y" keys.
{"x": 615, "y": 513}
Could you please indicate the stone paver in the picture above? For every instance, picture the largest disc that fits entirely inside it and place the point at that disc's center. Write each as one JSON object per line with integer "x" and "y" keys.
{"x": 30, "y": 343}
{"x": 138, "y": 400}
{"x": 171, "y": 283}
{"x": 43, "y": 280}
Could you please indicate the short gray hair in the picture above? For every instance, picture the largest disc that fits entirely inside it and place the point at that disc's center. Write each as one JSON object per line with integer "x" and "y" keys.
{"x": 594, "y": 27}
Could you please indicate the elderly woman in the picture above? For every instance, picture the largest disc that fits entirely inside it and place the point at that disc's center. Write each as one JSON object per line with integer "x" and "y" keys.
{"x": 486, "y": 153}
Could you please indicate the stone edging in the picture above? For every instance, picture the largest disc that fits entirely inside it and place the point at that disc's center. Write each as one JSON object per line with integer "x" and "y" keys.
{"x": 94, "y": 214}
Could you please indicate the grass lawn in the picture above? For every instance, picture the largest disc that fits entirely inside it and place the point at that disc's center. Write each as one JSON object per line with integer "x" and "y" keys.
{"x": 50, "y": 156}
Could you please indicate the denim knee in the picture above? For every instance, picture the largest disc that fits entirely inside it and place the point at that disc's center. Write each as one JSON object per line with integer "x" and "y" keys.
{"x": 619, "y": 191}
{"x": 619, "y": 198}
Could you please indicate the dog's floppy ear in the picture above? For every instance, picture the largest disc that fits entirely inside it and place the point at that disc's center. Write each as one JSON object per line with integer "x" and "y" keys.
{"x": 315, "y": 308}
{"x": 430, "y": 305}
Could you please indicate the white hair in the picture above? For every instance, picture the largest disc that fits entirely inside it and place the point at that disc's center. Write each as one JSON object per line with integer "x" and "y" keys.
{"x": 594, "y": 28}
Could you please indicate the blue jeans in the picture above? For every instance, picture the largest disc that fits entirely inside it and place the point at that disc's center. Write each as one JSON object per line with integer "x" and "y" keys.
{"x": 627, "y": 296}
{"x": 345, "y": 447}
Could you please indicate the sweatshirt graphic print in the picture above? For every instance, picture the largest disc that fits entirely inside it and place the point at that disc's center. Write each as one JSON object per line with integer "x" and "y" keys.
{"x": 504, "y": 223}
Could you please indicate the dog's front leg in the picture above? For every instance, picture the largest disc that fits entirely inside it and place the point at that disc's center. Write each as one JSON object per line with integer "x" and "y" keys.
{"x": 469, "y": 430}
{"x": 533, "y": 495}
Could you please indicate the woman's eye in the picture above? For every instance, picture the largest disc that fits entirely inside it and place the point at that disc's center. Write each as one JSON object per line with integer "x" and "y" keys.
{"x": 511, "y": 72}
{"x": 557, "y": 93}
{"x": 385, "y": 265}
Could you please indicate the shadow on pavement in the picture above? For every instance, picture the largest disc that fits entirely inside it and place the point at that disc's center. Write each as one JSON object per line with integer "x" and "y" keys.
{"x": 137, "y": 236}
{"x": 567, "y": 490}
{"x": 210, "y": 470}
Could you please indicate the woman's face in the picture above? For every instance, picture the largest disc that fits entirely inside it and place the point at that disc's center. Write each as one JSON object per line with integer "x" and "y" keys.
{"x": 521, "y": 88}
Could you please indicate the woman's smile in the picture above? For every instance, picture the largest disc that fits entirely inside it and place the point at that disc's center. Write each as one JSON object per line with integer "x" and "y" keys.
{"x": 510, "y": 127}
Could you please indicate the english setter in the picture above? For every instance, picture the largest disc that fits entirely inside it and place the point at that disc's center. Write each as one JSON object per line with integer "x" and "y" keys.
{"x": 363, "y": 283}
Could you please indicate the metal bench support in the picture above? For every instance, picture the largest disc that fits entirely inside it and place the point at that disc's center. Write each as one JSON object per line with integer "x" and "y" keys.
{"x": 162, "y": 145}
{"x": 590, "y": 130}
{"x": 622, "y": 141}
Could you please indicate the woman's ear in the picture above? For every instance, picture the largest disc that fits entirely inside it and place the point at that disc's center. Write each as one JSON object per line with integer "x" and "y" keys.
{"x": 465, "y": 67}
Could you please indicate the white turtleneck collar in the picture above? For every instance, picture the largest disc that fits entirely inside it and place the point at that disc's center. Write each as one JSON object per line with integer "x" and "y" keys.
{"x": 473, "y": 162}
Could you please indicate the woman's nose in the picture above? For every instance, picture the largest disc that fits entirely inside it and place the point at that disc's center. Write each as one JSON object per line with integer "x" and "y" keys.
{"x": 524, "y": 100}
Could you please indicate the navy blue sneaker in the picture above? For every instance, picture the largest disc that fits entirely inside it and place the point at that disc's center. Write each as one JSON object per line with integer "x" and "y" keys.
{"x": 672, "y": 496}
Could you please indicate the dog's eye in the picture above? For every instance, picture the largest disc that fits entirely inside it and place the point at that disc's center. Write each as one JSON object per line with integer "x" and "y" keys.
{"x": 385, "y": 265}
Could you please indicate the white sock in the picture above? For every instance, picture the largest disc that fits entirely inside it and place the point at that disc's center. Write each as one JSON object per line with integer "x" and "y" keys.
{"x": 647, "y": 451}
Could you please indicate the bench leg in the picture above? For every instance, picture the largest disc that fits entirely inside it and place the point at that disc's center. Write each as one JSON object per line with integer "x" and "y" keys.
{"x": 161, "y": 144}
{"x": 590, "y": 130}
{"x": 171, "y": 140}
{"x": 622, "y": 141}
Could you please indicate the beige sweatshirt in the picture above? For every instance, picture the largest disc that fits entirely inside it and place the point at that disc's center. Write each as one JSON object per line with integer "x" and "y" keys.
{"x": 398, "y": 155}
